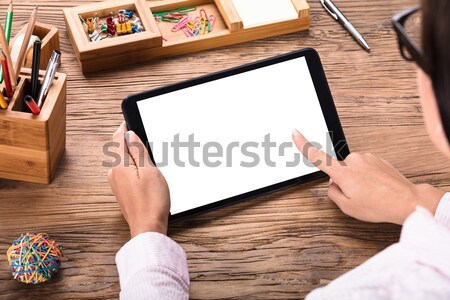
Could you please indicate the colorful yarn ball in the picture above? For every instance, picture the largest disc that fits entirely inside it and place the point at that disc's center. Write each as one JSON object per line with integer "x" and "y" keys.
{"x": 34, "y": 258}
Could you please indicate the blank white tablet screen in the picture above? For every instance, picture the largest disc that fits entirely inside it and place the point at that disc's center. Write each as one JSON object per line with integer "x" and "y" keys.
{"x": 211, "y": 141}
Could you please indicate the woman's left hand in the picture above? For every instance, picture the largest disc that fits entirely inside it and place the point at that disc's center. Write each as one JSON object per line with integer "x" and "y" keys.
{"x": 138, "y": 185}
{"x": 369, "y": 188}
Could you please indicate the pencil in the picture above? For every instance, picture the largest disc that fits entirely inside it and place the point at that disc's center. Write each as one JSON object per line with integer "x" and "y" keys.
{"x": 8, "y": 27}
{"x": 26, "y": 41}
{"x": 3, "y": 103}
{"x": 8, "y": 22}
{"x": 8, "y": 86}
{"x": 5, "y": 47}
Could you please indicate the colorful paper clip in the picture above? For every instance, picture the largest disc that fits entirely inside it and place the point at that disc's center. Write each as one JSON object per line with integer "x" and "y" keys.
{"x": 181, "y": 24}
{"x": 203, "y": 14}
{"x": 168, "y": 15}
{"x": 212, "y": 21}
{"x": 189, "y": 25}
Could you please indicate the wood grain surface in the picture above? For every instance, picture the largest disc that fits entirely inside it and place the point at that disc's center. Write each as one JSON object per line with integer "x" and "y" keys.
{"x": 279, "y": 246}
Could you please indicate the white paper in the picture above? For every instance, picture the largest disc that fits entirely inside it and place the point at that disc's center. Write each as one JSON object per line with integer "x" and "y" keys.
{"x": 261, "y": 12}
{"x": 243, "y": 108}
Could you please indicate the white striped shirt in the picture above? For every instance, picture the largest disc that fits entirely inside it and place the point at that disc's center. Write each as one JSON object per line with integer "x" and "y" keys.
{"x": 152, "y": 266}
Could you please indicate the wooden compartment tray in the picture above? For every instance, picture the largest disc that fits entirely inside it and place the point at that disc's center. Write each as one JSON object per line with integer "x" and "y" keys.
{"x": 161, "y": 41}
{"x": 86, "y": 50}
{"x": 31, "y": 146}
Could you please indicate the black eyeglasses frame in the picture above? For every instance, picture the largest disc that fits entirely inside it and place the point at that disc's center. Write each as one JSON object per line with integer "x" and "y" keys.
{"x": 409, "y": 49}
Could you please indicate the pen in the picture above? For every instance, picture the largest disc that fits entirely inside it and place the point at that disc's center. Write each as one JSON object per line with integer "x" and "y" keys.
{"x": 339, "y": 16}
{"x": 52, "y": 66}
{"x": 29, "y": 101}
{"x": 35, "y": 69}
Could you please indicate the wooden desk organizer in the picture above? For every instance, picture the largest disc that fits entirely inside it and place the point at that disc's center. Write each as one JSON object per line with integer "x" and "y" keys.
{"x": 31, "y": 146}
{"x": 158, "y": 41}
{"x": 49, "y": 36}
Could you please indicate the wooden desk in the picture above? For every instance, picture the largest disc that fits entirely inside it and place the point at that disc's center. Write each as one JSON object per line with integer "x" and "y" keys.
{"x": 276, "y": 247}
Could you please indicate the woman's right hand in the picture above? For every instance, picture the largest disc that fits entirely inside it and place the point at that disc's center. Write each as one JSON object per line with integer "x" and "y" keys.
{"x": 369, "y": 188}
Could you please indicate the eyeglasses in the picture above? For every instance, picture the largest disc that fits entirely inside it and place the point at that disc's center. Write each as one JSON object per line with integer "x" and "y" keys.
{"x": 408, "y": 26}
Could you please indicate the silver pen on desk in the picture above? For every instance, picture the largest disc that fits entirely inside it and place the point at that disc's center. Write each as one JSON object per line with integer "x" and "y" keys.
{"x": 339, "y": 16}
{"x": 52, "y": 67}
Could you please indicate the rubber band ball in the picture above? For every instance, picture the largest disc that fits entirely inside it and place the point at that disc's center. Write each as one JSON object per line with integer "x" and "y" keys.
{"x": 34, "y": 258}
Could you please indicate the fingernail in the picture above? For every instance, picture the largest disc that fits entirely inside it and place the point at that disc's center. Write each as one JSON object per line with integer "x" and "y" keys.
{"x": 295, "y": 132}
{"x": 331, "y": 181}
{"x": 128, "y": 136}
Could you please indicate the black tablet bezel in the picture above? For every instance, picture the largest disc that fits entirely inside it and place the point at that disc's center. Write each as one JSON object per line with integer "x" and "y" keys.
{"x": 134, "y": 121}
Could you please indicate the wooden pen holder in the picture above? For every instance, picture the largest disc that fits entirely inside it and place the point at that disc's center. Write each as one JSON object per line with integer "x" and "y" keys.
{"x": 31, "y": 146}
{"x": 159, "y": 41}
{"x": 49, "y": 36}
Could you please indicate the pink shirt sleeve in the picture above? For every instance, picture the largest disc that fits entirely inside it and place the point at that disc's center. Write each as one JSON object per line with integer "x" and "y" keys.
{"x": 152, "y": 266}
{"x": 417, "y": 267}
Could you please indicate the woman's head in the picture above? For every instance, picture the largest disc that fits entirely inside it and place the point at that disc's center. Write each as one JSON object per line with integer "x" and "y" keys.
{"x": 434, "y": 80}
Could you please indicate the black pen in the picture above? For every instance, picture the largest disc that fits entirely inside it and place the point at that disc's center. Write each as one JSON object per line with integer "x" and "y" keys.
{"x": 35, "y": 69}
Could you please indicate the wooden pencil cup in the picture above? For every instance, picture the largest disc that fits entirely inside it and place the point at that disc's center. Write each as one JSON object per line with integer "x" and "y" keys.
{"x": 31, "y": 146}
{"x": 49, "y": 36}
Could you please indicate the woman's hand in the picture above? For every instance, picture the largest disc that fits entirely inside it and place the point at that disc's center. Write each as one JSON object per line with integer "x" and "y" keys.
{"x": 369, "y": 188}
{"x": 139, "y": 187}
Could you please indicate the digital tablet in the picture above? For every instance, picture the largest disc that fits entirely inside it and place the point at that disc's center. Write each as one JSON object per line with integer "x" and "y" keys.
{"x": 226, "y": 137}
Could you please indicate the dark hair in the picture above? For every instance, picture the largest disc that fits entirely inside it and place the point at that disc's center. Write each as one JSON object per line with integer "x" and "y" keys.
{"x": 436, "y": 51}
